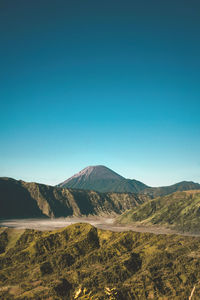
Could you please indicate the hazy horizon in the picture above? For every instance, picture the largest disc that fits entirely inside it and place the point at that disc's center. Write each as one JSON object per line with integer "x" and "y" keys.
{"x": 114, "y": 83}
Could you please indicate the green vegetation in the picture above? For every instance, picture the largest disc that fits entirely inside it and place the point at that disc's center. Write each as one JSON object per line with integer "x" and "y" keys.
{"x": 180, "y": 211}
{"x": 81, "y": 262}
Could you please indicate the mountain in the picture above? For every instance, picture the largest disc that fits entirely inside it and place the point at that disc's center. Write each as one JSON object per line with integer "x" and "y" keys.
{"x": 180, "y": 211}
{"x": 21, "y": 199}
{"x": 102, "y": 179}
{"x": 82, "y": 262}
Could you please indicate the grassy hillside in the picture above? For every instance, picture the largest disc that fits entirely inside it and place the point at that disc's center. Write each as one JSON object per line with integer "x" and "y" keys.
{"x": 81, "y": 262}
{"x": 180, "y": 210}
{"x": 24, "y": 199}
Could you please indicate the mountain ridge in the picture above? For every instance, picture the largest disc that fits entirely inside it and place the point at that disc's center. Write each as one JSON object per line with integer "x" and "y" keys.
{"x": 29, "y": 199}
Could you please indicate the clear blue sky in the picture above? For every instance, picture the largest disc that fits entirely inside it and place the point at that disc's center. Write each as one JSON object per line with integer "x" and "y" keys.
{"x": 111, "y": 82}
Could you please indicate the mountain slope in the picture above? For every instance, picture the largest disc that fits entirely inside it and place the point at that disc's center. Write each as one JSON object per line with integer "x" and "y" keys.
{"x": 180, "y": 210}
{"x": 21, "y": 199}
{"x": 81, "y": 262}
{"x": 102, "y": 179}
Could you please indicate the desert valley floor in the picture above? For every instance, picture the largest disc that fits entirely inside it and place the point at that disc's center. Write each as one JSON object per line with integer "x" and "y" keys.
{"x": 105, "y": 223}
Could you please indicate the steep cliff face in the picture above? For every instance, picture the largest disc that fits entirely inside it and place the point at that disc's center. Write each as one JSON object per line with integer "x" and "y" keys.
{"x": 16, "y": 200}
{"x": 22, "y": 199}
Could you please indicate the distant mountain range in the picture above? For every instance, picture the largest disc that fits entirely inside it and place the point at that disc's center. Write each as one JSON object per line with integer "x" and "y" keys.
{"x": 19, "y": 199}
{"x": 154, "y": 192}
{"x": 103, "y": 179}
{"x": 180, "y": 211}
{"x": 96, "y": 190}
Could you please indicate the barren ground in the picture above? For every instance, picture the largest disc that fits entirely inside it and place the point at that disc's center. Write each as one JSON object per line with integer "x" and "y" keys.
{"x": 106, "y": 223}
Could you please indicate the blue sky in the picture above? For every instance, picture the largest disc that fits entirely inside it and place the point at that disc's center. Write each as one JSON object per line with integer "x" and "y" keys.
{"x": 115, "y": 83}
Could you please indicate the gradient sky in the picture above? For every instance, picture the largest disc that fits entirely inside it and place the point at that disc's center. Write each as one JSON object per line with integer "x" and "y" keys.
{"x": 111, "y": 82}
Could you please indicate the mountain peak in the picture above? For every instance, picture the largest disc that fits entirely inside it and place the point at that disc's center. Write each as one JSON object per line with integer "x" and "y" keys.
{"x": 96, "y": 173}
{"x": 102, "y": 179}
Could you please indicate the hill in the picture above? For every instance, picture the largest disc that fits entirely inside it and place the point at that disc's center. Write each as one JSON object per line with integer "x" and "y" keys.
{"x": 154, "y": 192}
{"x": 21, "y": 199}
{"x": 102, "y": 179}
{"x": 180, "y": 210}
{"x": 81, "y": 262}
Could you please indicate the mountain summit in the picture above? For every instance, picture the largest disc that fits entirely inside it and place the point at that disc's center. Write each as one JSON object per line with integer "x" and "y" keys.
{"x": 96, "y": 173}
{"x": 102, "y": 179}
